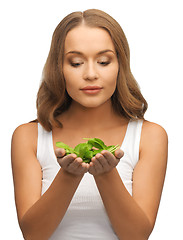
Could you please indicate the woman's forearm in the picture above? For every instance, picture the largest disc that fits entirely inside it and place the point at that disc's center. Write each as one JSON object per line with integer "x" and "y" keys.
{"x": 127, "y": 218}
{"x": 40, "y": 221}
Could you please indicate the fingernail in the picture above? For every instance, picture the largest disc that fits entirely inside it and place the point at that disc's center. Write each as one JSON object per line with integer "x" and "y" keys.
{"x": 59, "y": 153}
{"x": 120, "y": 155}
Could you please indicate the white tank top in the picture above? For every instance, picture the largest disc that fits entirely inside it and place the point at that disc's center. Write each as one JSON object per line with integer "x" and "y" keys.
{"x": 86, "y": 217}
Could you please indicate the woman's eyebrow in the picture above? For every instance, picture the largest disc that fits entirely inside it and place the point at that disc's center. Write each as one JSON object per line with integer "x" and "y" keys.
{"x": 105, "y": 51}
{"x": 74, "y": 52}
{"x": 99, "y": 53}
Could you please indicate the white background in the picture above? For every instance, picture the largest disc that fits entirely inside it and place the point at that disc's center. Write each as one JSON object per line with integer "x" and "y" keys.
{"x": 154, "y": 30}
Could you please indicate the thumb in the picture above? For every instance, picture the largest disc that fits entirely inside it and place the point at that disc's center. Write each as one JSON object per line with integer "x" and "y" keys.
{"x": 60, "y": 152}
{"x": 119, "y": 153}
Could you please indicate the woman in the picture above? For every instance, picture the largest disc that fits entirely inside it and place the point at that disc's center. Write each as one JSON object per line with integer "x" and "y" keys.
{"x": 88, "y": 91}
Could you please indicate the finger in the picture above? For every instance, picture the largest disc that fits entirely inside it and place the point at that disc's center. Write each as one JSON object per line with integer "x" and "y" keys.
{"x": 67, "y": 160}
{"x": 78, "y": 166}
{"x": 81, "y": 167}
{"x": 119, "y": 153}
{"x": 103, "y": 161}
{"x": 97, "y": 166}
{"x": 73, "y": 166}
{"x": 91, "y": 169}
{"x": 85, "y": 167}
{"x": 60, "y": 152}
{"x": 110, "y": 158}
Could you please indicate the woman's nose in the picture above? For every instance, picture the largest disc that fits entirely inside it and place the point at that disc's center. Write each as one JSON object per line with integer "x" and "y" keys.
{"x": 90, "y": 71}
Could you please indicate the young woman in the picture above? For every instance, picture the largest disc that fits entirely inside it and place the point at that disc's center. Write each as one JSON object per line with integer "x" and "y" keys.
{"x": 88, "y": 91}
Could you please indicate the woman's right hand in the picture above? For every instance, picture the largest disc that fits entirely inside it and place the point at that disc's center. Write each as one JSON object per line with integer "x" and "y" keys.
{"x": 71, "y": 163}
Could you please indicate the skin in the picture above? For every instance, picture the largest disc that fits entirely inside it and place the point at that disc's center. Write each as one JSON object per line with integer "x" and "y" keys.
{"x": 94, "y": 65}
{"x": 103, "y": 162}
{"x": 83, "y": 66}
{"x": 132, "y": 217}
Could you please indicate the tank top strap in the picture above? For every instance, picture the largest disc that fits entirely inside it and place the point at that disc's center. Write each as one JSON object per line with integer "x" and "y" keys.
{"x": 44, "y": 144}
{"x": 132, "y": 140}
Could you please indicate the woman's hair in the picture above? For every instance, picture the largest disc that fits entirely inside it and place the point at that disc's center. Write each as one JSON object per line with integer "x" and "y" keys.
{"x": 52, "y": 97}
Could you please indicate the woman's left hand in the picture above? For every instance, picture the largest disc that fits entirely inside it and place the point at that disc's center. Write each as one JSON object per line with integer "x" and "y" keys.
{"x": 104, "y": 162}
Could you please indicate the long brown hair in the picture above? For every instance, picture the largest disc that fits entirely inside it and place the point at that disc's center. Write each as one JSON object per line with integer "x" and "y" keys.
{"x": 52, "y": 97}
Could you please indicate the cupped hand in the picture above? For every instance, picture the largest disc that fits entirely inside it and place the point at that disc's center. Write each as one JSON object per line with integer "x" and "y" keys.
{"x": 104, "y": 162}
{"x": 71, "y": 163}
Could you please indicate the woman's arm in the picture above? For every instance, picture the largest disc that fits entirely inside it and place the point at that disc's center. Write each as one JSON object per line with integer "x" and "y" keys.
{"x": 133, "y": 218}
{"x": 38, "y": 215}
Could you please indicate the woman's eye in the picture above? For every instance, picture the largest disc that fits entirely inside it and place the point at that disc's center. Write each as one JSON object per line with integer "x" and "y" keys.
{"x": 104, "y": 63}
{"x": 75, "y": 64}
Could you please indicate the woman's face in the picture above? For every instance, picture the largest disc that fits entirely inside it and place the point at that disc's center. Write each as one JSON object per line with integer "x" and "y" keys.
{"x": 90, "y": 60}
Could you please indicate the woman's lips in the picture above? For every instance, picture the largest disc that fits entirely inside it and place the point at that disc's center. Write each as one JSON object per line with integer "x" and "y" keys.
{"x": 92, "y": 91}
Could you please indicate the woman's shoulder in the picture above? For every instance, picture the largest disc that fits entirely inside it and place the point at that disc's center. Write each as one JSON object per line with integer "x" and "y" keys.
{"x": 153, "y": 135}
{"x": 26, "y": 134}
{"x": 153, "y": 129}
{"x": 29, "y": 128}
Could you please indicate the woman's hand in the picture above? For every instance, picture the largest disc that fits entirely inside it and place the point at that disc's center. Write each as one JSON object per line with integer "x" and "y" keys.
{"x": 71, "y": 163}
{"x": 104, "y": 162}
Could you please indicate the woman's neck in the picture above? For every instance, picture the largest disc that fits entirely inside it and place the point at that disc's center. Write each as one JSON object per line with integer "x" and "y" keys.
{"x": 101, "y": 117}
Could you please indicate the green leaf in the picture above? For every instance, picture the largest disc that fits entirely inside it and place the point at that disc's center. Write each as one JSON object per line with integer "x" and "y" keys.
{"x": 112, "y": 148}
{"x": 96, "y": 151}
{"x": 85, "y": 150}
{"x": 68, "y": 149}
{"x": 87, "y": 160}
{"x": 82, "y": 148}
{"x": 89, "y": 154}
{"x": 62, "y": 145}
{"x": 96, "y": 142}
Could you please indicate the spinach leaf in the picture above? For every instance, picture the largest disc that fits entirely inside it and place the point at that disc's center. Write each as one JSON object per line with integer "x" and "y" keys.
{"x": 112, "y": 148}
{"x": 96, "y": 142}
{"x": 82, "y": 148}
{"x": 68, "y": 149}
{"x": 86, "y": 150}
